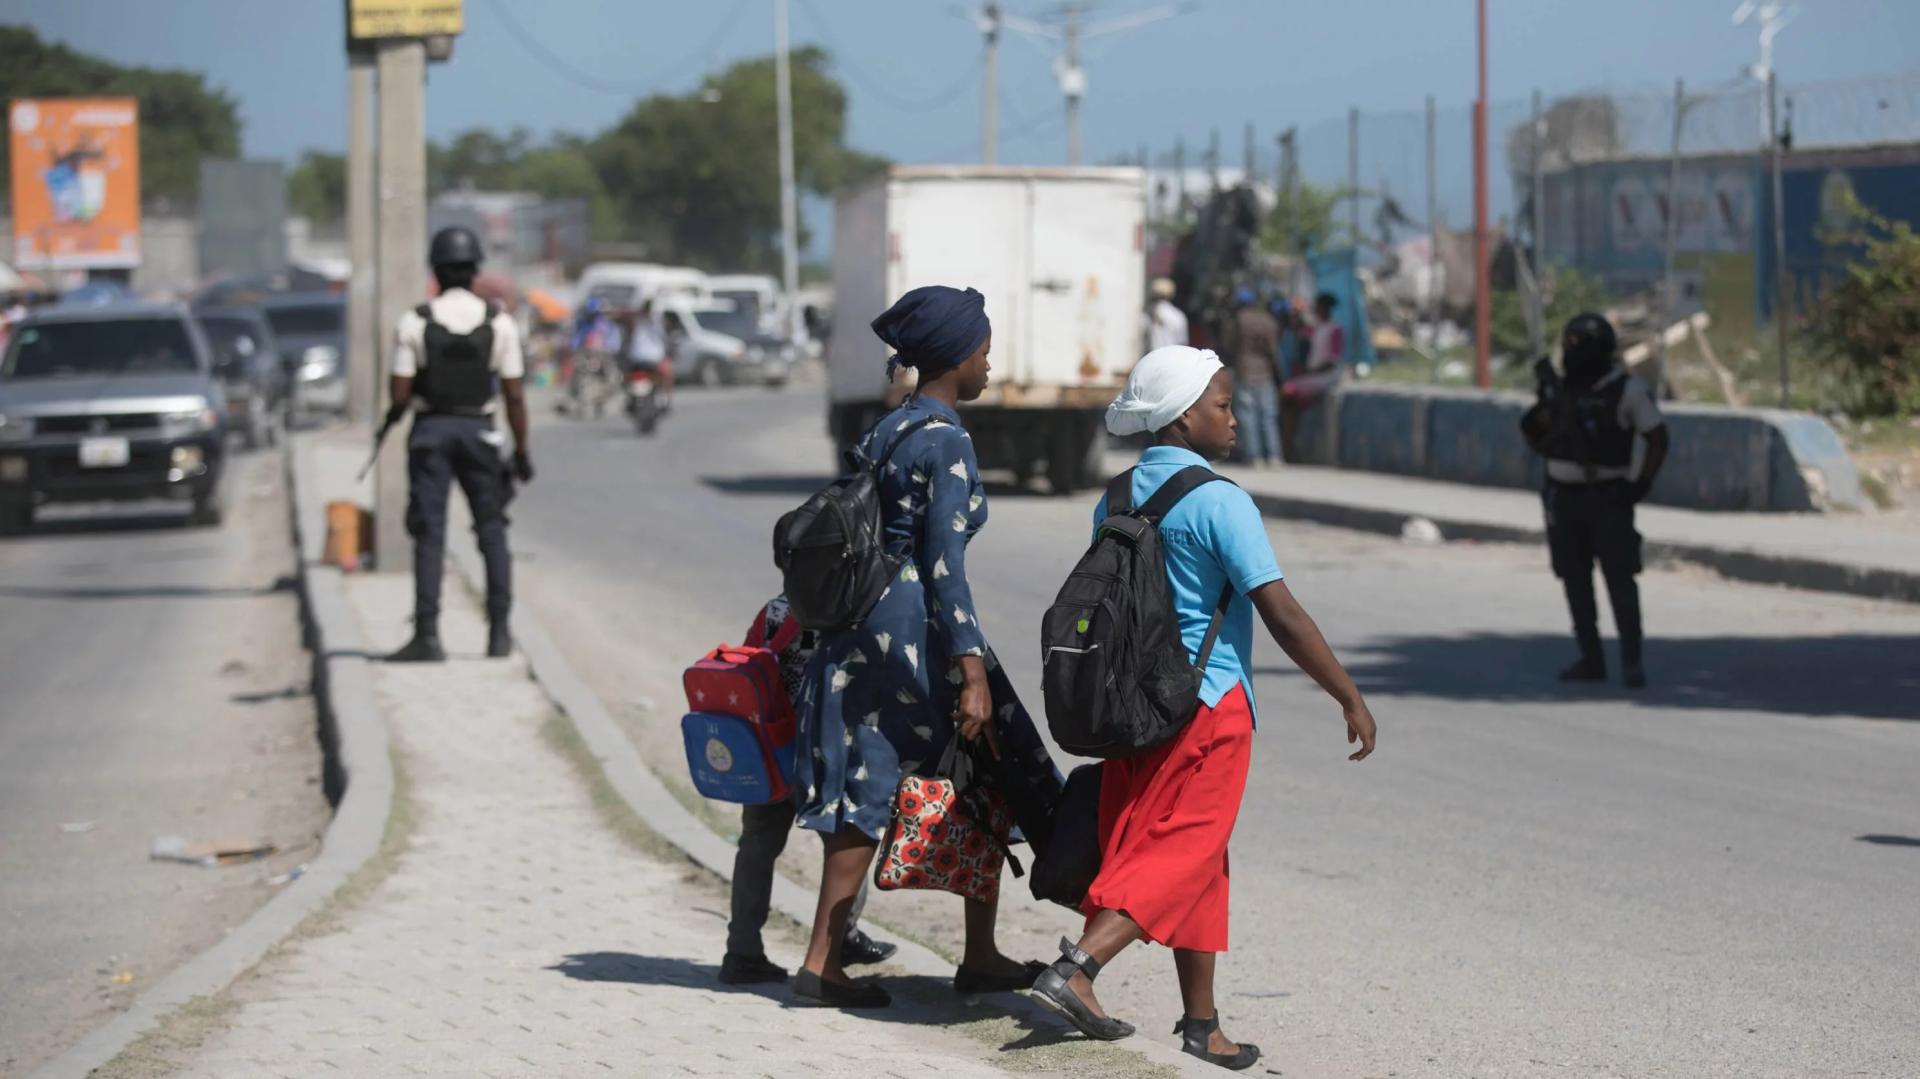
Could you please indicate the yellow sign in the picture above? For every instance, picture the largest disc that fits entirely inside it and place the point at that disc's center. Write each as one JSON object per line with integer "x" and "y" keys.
{"x": 403, "y": 18}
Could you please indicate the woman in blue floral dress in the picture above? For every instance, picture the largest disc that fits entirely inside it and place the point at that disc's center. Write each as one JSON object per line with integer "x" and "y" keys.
{"x": 886, "y": 698}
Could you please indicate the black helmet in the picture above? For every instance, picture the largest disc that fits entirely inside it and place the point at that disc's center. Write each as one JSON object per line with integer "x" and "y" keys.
{"x": 455, "y": 244}
{"x": 1589, "y": 334}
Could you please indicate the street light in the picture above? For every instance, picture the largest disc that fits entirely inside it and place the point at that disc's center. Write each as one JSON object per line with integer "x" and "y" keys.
{"x": 1772, "y": 16}
{"x": 1068, "y": 37}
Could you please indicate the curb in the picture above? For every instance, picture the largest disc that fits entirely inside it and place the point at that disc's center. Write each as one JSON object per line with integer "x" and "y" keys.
{"x": 1755, "y": 567}
{"x": 657, "y": 808}
{"x": 354, "y": 741}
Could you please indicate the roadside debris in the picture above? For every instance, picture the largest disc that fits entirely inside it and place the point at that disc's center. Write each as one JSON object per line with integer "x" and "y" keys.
{"x": 1422, "y": 531}
{"x": 173, "y": 848}
{"x": 293, "y": 874}
{"x": 78, "y": 826}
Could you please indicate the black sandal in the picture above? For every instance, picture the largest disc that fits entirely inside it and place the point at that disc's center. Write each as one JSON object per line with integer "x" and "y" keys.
{"x": 1053, "y": 992}
{"x": 1193, "y": 1037}
{"x": 812, "y": 987}
{"x": 971, "y": 981}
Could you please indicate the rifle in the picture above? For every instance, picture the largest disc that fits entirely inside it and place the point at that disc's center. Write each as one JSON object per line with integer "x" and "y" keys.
{"x": 380, "y": 438}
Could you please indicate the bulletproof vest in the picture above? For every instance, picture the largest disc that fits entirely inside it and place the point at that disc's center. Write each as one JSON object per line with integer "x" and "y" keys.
{"x": 456, "y": 372}
{"x": 1605, "y": 441}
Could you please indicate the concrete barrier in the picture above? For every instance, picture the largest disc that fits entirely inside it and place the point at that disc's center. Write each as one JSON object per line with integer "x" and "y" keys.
{"x": 1726, "y": 459}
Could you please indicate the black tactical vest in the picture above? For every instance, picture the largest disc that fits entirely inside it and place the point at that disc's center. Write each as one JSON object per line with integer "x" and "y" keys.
{"x": 1608, "y": 443}
{"x": 456, "y": 370}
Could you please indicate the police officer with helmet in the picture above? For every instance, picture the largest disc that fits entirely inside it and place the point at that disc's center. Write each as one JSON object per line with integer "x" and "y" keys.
{"x": 449, "y": 356}
{"x": 1587, "y": 425}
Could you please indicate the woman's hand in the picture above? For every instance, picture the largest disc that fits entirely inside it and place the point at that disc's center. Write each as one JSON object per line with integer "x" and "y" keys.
{"x": 1360, "y": 728}
{"x": 974, "y": 714}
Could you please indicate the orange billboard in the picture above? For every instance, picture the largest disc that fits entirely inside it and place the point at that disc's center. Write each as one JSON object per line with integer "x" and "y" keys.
{"x": 76, "y": 182}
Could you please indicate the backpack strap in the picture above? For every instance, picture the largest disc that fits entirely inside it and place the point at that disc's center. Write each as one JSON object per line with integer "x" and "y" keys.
{"x": 899, "y": 439}
{"x": 425, "y": 311}
{"x": 1213, "y": 627}
{"x": 1178, "y": 486}
{"x": 1120, "y": 494}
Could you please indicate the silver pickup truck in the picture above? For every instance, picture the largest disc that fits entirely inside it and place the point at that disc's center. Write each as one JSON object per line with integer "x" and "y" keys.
{"x": 109, "y": 404}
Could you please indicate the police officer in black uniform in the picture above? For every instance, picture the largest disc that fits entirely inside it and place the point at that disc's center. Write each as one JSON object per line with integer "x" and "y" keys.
{"x": 1586, "y": 425}
{"x": 450, "y": 356}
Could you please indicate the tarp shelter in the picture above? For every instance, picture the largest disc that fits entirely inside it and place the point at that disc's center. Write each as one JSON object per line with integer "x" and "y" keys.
{"x": 1334, "y": 274}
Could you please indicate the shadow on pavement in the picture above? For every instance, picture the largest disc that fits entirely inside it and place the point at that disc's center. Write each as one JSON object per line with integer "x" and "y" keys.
{"x": 917, "y": 1001}
{"x": 152, "y": 591}
{"x": 1870, "y": 675}
{"x": 800, "y": 486}
{"x": 1889, "y": 840}
{"x": 171, "y": 520}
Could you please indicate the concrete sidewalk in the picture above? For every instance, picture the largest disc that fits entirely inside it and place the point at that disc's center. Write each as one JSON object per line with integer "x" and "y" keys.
{"x": 1875, "y": 555}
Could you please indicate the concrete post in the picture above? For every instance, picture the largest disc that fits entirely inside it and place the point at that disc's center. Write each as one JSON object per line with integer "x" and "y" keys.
{"x": 363, "y": 354}
{"x": 402, "y": 260}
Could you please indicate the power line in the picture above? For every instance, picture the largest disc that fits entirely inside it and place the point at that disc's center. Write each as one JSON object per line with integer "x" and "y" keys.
{"x": 877, "y": 88}
{"x": 658, "y": 78}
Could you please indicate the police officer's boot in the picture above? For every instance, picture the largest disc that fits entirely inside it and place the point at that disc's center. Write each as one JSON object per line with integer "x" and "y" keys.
{"x": 423, "y": 648}
{"x": 1632, "y": 674}
{"x": 499, "y": 641}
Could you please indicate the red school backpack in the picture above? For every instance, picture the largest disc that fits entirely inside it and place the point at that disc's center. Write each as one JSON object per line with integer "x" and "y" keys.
{"x": 739, "y": 727}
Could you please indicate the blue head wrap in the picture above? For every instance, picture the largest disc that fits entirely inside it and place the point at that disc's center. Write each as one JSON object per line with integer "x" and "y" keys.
{"x": 933, "y": 329}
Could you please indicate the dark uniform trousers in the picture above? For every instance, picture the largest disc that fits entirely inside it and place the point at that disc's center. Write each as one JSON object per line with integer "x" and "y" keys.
{"x": 763, "y": 835}
{"x": 1589, "y": 522}
{"x": 443, "y": 448}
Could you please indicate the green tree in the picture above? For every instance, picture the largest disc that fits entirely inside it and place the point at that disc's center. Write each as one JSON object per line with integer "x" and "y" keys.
{"x": 696, "y": 177}
{"x": 476, "y": 159}
{"x": 1868, "y": 324}
{"x": 1568, "y": 293}
{"x": 317, "y": 187}
{"x": 1309, "y": 218}
{"x": 182, "y": 119}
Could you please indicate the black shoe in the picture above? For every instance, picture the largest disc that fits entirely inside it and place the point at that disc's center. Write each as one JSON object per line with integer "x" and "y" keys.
{"x": 1051, "y": 990}
{"x": 1586, "y": 670}
{"x": 1193, "y": 1038}
{"x": 812, "y": 987}
{"x": 968, "y": 981}
{"x": 1633, "y": 676}
{"x": 860, "y": 950}
{"x": 424, "y": 648}
{"x": 738, "y": 969}
{"x": 499, "y": 641}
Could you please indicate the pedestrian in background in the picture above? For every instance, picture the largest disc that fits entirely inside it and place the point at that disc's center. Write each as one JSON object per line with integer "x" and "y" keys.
{"x": 453, "y": 355}
{"x": 1326, "y": 351}
{"x": 885, "y": 698}
{"x": 1166, "y": 815}
{"x": 1166, "y": 324}
{"x": 1252, "y": 346}
{"x": 1588, "y": 425}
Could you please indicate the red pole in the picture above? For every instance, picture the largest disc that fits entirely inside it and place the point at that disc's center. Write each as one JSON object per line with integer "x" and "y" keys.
{"x": 1482, "y": 277}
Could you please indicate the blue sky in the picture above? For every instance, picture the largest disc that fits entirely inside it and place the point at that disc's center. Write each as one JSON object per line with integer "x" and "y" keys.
{"x": 1271, "y": 62}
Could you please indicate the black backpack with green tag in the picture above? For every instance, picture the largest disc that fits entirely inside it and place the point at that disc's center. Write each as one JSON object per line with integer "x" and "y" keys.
{"x": 1116, "y": 676}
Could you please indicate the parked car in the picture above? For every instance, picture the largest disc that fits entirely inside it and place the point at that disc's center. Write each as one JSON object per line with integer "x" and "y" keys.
{"x": 311, "y": 328}
{"x": 109, "y": 404}
{"x": 626, "y": 285}
{"x": 725, "y": 345}
{"x": 248, "y": 363}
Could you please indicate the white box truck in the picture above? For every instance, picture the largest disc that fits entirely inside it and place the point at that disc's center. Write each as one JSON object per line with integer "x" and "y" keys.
{"x": 1058, "y": 253}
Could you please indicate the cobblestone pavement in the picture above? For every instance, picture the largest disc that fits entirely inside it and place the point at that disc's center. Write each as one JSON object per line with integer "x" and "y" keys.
{"x": 518, "y": 934}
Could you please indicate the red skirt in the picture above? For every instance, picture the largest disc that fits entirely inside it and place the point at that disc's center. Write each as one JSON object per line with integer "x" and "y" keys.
{"x": 1165, "y": 818}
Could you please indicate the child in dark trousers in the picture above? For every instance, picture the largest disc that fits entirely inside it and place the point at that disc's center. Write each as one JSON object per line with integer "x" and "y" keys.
{"x": 763, "y": 835}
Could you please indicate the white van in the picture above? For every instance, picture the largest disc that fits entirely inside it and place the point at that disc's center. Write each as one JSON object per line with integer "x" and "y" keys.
{"x": 756, "y": 294}
{"x": 626, "y": 285}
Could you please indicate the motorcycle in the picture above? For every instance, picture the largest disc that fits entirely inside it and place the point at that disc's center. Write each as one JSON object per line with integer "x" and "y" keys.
{"x": 646, "y": 399}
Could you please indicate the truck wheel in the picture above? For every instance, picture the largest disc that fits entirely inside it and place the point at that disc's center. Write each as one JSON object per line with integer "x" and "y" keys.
{"x": 710, "y": 373}
{"x": 209, "y": 509}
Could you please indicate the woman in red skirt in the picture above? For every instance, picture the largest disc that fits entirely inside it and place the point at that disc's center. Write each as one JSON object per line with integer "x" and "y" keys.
{"x": 1165, "y": 816}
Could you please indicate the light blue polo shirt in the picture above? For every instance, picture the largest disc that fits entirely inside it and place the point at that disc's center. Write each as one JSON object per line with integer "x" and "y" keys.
{"x": 1212, "y": 536}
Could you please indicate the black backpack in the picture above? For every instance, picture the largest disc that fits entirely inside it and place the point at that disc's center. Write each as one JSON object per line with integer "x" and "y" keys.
{"x": 1114, "y": 671}
{"x": 832, "y": 550}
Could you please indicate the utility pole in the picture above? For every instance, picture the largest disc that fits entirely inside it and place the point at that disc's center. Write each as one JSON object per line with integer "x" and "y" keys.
{"x": 1073, "y": 83}
{"x": 402, "y": 253}
{"x": 1782, "y": 317}
{"x": 1289, "y": 172}
{"x": 1353, "y": 182}
{"x": 1433, "y": 242}
{"x": 990, "y": 26}
{"x": 1482, "y": 275}
{"x": 1537, "y": 339}
{"x": 789, "y": 211}
{"x": 1669, "y": 298}
{"x": 363, "y": 336}
{"x": 1180, "y": 182}
{"x": 1246, "y": 169}
{"x": 1213, "y": 161}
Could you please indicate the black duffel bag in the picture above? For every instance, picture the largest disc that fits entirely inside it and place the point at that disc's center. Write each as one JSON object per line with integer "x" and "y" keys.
{"x": 832, "y": 550}
{"x": 1068, "y": 858}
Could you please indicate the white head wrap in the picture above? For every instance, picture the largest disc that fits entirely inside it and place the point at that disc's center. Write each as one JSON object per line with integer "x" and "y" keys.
{"x": 1164, "y": 384}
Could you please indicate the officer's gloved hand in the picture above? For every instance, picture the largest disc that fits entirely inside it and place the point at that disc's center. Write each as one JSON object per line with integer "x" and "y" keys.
{"x": 394, "y": 412}
{"x": 1637, "y": 491}
{"x": 522, "y": 466}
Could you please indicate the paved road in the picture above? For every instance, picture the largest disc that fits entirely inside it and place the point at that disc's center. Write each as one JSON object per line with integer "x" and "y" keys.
{"x": 151, "y": 681}
{"x": 1714, "y": 878}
